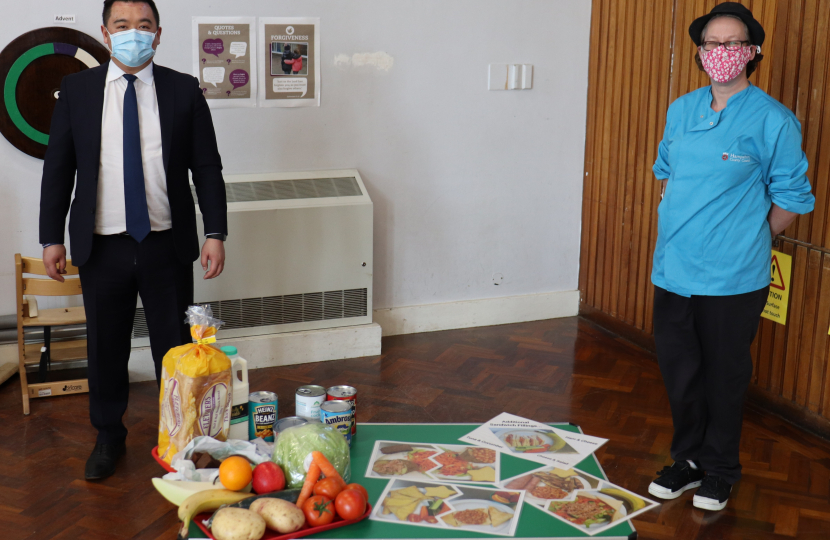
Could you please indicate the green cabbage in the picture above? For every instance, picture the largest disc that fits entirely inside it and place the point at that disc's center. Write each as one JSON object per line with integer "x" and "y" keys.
{"x": 293, "y": 448}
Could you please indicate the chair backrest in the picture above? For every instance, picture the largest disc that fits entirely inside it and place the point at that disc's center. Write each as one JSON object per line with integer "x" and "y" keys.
{"x": 43, "y": 287}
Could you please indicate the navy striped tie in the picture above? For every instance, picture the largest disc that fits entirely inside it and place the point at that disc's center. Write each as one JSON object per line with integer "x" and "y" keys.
{"x": 135, "y": 198}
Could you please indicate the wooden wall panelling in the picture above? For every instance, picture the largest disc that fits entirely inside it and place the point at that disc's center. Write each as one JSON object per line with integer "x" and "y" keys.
{"x": 623, "y": 85}
{"x": 811, "y": 68}
{"x": 808, "y": 324}
{"x": 791, "y": 360}
{"x": 628, "y": 151}
{"x": 594, "y": 85}
{"x": 818, "y": 382}
{"x": 612, "y": 66}
{"x": 597, "y": 133}
{"x": 637, "y": 158}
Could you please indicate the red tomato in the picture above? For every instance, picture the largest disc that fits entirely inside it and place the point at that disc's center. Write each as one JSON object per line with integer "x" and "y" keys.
{"x": 318, "y": 511}
{"x": 350, "y": 504}
{"x": 328, "y": 487}
{"x": 359, "y": 488}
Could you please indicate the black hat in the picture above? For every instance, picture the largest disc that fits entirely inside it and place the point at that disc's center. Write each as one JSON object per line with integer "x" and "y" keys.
{"x": 756, "y": 31}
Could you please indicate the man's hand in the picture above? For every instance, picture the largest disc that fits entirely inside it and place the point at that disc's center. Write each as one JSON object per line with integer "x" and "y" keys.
{"x": 663, "y": 187}
{"x": 213, "y": 252}
{"x": 54, "y": 258}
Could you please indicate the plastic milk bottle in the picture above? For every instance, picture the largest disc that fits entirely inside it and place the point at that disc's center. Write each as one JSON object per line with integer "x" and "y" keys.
{"x": 239, "y": 406}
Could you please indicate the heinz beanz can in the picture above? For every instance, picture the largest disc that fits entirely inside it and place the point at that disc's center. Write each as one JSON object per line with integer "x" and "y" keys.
{"x": 308, "y": 400}
{"x": 339, "y": 415}
{"x": 345, "y": 393}
{"x": 262, "y": 407}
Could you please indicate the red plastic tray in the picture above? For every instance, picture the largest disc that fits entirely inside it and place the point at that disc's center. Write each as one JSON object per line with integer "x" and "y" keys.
{"x": 305, "y": 531}
{"x": 269, "y": 535}
{"x": 166, "y": 466}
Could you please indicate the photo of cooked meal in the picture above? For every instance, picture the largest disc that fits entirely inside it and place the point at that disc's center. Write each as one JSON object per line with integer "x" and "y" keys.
{"x": 593, "y": 511}
{"x": 414, "y": 504}
{"x": 452, "y": 506}
{"x": 451, "y": 463}
{"x": 552, "y": 483}
{"x": 533, "y": 441}
{"x": 587, "y": 510}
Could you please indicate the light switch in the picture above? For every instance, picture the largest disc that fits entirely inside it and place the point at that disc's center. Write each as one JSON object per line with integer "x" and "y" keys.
{"x": 497, "y": 77}
{"x": 510, "y": 77}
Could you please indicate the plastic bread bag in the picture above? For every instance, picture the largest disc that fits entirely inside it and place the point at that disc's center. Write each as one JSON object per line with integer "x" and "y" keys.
{"x": 292, "y": 451}
{"x": 196, "y": 392}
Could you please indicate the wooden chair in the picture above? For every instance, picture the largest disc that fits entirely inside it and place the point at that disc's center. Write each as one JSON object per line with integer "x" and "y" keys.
{"x": 29, "y": 316}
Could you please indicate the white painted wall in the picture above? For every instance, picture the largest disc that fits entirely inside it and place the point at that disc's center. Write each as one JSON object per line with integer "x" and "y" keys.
{"x": 466, "y": 182}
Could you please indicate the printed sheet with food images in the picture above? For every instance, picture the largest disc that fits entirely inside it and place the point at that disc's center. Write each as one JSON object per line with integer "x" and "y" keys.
{"x": 533, "y": 441}
{"x": 447, "y": 463}
{"x": 450, "y": 507}
{"x": 581, "y": 500}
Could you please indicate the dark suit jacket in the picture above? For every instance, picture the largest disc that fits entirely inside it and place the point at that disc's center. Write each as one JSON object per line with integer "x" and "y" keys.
{"x": 188, "y": 142}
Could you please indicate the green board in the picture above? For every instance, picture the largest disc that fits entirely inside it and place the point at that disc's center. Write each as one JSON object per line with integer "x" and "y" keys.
{"x": 533, "y": 522}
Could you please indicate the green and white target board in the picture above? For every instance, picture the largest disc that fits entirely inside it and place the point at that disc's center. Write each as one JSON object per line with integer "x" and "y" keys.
{"x": 31, "y": 69}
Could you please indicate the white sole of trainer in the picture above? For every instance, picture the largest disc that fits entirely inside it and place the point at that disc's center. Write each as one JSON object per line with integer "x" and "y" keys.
{"x": 708, "y": 504}
{"x": 663, "y": 493}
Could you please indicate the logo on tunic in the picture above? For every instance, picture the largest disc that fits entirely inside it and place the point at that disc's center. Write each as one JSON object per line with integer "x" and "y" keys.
{"x": 725, "y": 156}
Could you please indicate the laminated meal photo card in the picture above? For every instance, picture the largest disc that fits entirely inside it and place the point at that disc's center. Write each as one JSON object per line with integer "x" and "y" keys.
{"x": 447, "y": 463}
{"x": 449, "y": 506}
{"x": 593, "y": 511}
{"x": 534, "y": 441}
{"x": 547, "y": 484}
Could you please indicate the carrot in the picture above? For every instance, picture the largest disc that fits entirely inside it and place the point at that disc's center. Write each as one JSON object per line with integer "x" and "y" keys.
{"x": 325, "y": 466}
{"x": 424, "y": 512}
{"x": 310, "y": 479}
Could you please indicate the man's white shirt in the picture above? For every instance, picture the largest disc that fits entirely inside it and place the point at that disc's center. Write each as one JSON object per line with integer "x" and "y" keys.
{"x": 110, "y": 216}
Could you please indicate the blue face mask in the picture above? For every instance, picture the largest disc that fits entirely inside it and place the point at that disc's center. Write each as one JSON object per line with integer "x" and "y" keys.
{"x": 132, "y": 47}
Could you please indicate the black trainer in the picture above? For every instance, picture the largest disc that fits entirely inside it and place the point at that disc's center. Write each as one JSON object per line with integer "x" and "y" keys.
{"x": 672, "y": 481}
{"x": 713, "y": 494}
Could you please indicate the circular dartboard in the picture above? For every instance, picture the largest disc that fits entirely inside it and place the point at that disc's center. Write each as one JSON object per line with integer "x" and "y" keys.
{"x": 31, "y": 69}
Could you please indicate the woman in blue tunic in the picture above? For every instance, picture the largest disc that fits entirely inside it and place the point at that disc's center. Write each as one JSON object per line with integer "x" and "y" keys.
{"x": 733, "y": 177}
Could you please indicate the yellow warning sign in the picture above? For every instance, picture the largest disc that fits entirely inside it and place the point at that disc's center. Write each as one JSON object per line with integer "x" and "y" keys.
{"x": 779, "y": 288}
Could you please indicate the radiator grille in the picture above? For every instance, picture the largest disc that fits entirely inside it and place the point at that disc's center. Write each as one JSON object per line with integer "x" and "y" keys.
{"x": 277, "y": 190}
{"x": 275, "y": 310}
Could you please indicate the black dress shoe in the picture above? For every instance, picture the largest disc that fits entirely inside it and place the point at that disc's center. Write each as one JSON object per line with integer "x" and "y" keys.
{"x": 101, "y": 462}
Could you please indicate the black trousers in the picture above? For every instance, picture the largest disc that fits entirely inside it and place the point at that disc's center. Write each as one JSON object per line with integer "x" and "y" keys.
{"x": 703, "y": 351}
{"x": 118, "y": 270}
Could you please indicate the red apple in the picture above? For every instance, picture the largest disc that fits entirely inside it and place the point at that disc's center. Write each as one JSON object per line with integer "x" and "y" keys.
{"x": 268, "y": 477}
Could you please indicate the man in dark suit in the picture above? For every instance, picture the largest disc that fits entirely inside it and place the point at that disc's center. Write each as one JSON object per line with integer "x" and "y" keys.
{"x": 130, "y": 130}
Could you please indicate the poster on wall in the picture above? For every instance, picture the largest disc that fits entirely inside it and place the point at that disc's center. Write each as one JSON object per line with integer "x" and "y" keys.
{"x": 289, "y": 65}
{"x": 224, "y": 60}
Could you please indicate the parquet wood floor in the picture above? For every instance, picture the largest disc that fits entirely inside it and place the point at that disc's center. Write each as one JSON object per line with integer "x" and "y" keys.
{"x": 556, "y": 370}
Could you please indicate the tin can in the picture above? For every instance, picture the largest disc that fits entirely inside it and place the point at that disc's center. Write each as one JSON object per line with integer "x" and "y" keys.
{"x": 308, "y": 400}
{"x": 345, "y": 393}
{"x": 339, "y": 415}
{"x": 289, "y": 421}
{"x": 262, "y": 407}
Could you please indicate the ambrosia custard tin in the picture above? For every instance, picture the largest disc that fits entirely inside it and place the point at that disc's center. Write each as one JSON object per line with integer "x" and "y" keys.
{"x": 262, "y": 407}
{"x": 339, "y": 415}
{"x": 345, "y": 393}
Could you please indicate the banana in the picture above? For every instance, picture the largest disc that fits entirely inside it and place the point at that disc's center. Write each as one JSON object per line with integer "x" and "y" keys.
{"x": 631, "y": 502}
{"x": 203, "y": 501}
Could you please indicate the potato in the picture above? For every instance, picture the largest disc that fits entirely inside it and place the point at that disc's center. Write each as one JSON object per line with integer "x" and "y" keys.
{"x": 237, "y": 524}
{"x": 281, "y": 516}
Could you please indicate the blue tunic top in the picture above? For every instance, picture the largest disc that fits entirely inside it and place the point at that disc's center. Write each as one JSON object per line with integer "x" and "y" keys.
{"x": 725, "y": 169}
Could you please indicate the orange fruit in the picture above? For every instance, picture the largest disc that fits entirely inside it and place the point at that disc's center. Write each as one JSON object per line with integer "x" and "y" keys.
{"x": 235, "y": 473}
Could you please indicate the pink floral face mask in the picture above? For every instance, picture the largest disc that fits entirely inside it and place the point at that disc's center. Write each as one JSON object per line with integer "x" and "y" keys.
{"x": 723, "y": 65}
